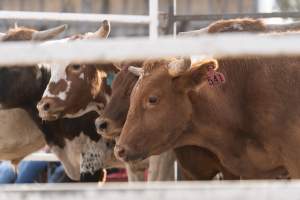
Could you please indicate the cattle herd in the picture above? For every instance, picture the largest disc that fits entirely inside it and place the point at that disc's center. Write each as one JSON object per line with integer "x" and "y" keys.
{"x": 234, "y": 116}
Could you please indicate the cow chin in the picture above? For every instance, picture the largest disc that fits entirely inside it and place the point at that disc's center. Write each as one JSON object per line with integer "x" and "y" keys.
{"x": 46, "y": 116}
{"x": 131, "y": 157}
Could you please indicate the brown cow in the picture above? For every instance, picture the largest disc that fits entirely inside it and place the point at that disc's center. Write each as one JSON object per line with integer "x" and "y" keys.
{"x": 110, "y": 124}
{"x": 76, "y": 89}
{"x": 243, "y": 25}
{"x": 113, "y": 118}
{"x": 250, "y": 122}
{"x": 28, "y": 34}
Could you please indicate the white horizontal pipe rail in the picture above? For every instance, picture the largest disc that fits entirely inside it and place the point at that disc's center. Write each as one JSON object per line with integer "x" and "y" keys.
{"x": 50, "y": 157}
{"x": 206, "y": 190}
{"x": 119, "y": 49}
{"x": 73, "y": 17}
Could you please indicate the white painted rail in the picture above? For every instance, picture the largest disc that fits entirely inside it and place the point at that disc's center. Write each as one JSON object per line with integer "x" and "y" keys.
{"x": 74, "y": 17}
{"x": 50, "y": 157}
{"x": 209, "y": 190}
{"x": 151, "y": 19}
{"x": 119, "y": 49}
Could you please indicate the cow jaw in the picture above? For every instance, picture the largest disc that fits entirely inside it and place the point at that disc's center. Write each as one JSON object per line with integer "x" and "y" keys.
{"x": 69, "y": 155}
{"x": 92, "y": 106}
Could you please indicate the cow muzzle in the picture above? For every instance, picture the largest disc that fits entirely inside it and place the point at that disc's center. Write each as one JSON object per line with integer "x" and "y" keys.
{"x": 124, "y": 154}
{"x": 48, "y": 110}
{"x": 106, "y": 128}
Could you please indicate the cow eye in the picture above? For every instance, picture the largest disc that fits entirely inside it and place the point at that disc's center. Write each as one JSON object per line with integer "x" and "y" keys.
{"x": 152, "y": 99}
{"x": 76, "y": 67}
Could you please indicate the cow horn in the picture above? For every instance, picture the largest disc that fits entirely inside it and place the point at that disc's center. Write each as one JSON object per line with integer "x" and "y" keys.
{"x": 136, "y": 70}
{"x": 48, "y": 34}
{"x": 294, "y": 26}
{"x": 179, "y": 66}
{"x": 193, "y": 33}
{"x": 102, "y": 32}
{"x": 2, "y": 35}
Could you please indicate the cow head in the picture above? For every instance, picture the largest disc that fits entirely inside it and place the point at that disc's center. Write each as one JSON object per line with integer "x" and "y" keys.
{"x": 110, "y": 123}
{"x": 21, "y": 85}
{"x": 27, "y": 34}
{"x": 75, "y": 89}
{"x": 160, "y": 107}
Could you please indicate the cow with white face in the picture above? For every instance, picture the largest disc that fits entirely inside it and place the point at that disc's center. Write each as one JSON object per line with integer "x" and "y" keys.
{"x": 59, "y": 100}
{"x": 79, "y": 91}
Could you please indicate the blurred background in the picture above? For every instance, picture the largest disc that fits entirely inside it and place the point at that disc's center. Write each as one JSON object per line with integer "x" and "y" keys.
{"x": 139, "y": 7}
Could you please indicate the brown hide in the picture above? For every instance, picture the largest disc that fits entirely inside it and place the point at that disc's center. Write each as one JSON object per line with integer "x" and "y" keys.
{"x": 250, "y": 122}
{"x": 27, "y": 34}
{"x": 110, "y": 124}
{"x": 237, "y": 25}
{"x": 83, "y": 84}
{"x": 207, "y": 165}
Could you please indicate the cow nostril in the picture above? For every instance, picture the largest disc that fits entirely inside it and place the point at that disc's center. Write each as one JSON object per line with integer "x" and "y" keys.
{"x": 110, "y": 144}
{"x": 103, "y": 125}
{"x": 46, "y": 106}
{"x": 121, "y": 152}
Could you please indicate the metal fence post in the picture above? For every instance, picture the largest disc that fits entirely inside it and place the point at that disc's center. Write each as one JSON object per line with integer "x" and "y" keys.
{"x": 153, "y": 14}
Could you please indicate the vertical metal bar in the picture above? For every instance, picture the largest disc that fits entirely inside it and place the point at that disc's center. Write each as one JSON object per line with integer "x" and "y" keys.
{"x": 210, "y": 6}
{"x": 255, "y": 6}
{"x": 153, "y": 14}
{"x": 22, "y": 5}
{"x": 176, "y": 170}
{"x": 241, "y": 6}
{"x": 174, "y": 22}
{"x": 42, "y": 5}
{"x": 225, "y": 6}
{"x": 105, "y": 6}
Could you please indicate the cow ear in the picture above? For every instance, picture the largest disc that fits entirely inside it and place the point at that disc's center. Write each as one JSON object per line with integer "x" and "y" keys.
{"x": 108, "y": 67}
{"x": 197, "y": 75}
{"x": 127, "y": 63}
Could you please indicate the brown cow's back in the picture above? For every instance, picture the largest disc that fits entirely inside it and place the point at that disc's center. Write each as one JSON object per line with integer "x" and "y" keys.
{"x": 255, "y": 107}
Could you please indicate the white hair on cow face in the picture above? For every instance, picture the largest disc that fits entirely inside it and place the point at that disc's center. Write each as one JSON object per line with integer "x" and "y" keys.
{"x": 81, "y": 76}
{"x": 58, "y": 72}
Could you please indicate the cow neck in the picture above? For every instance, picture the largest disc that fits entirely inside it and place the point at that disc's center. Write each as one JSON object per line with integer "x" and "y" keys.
{"x": 56, "y": 131}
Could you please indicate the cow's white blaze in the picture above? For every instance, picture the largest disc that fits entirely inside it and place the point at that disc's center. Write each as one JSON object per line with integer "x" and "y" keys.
{"x": 81, "y": 76}
{"x": 58, "y": 72}
{"x": 38, "y": 74}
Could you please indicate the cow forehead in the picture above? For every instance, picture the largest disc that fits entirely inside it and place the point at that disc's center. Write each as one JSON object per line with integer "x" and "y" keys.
{"x": 58, "y": 72}
{"x": 57, "y": 68}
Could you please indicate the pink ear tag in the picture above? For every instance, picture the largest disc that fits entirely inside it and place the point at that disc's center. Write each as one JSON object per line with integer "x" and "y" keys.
{"x": 215, "y": 78}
